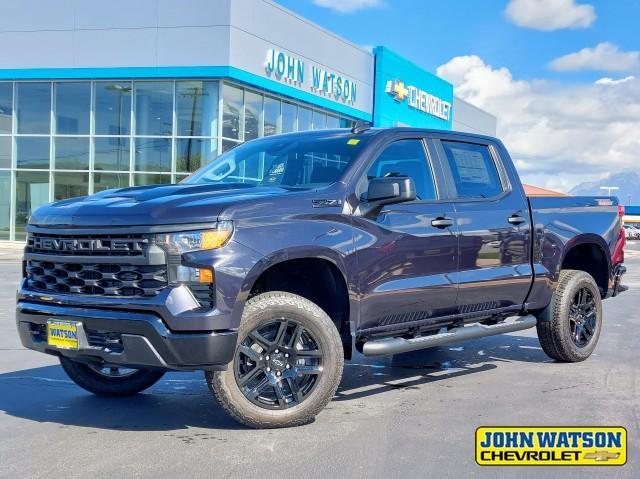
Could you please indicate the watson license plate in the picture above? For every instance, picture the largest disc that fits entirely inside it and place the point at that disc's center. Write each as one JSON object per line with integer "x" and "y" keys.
{"x": 62, "y": 334}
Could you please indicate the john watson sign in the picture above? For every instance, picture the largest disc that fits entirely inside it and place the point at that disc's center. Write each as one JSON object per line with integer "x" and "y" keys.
{"x": 295, "y": 71}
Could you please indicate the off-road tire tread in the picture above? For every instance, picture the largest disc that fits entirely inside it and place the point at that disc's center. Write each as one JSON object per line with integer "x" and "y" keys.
{"x": 551, "y": 321}
{"x": 261, "y": 303}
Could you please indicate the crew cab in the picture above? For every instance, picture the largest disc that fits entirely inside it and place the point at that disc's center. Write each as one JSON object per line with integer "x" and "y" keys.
{"x": 269, "y": 266}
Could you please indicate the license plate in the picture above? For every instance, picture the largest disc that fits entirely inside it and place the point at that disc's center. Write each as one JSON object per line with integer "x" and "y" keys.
{"x": 62, "y": 334}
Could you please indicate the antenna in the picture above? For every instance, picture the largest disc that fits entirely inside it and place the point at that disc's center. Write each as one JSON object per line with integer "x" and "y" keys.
{"x": 360, "y": 126}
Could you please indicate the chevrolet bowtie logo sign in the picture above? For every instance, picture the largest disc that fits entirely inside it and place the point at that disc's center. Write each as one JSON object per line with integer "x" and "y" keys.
{"x": 419, "y": 99}
{"x": 397, "y": 89}
{"x": 601, "y": 456}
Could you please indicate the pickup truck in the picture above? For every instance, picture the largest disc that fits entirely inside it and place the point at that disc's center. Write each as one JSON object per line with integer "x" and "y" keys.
{"x": 267, "y": 267}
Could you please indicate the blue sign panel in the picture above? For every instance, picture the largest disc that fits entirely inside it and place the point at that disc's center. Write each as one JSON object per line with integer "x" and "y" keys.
{"x": 407, "y": 95}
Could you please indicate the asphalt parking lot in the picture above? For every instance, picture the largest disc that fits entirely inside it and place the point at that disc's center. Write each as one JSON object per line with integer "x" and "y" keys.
{"x": 409, "y": 416}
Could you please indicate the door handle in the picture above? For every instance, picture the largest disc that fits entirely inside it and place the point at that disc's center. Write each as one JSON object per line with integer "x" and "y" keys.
{"x": 516, "y": 219}
{"x": 442, "y": 222}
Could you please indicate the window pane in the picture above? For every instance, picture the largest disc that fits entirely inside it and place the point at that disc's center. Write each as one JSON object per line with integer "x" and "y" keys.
{"x": 333, "y": 122}
{"x": 197, "y": 108}
{"x": 154, "y": 108}
{"x": 271, "y": 116}
{"x": 406, "y": 158}
{"x": 153, "y": 154}
{"x": 6, "y": 106}
{"x": 72, "y": 153}
{"x": 5, "y": 203}
{"x": 33, "y": 102}
{"x": 112, "y": 154}
{"x": 319, "y": 120}
{"x": 193, "y": 153}
{"x": 32, "y": 190}
{"x": 229, "y": 145}
{"x": 32, "y": 152}
{"x": 72, "y": 106}
{"x": 473, "y": 169}
{"x": 252, "y": 115}
{"x": 231, "y": 112}
{"x": 113, "y": 108}
{"x": 146, "y": 179}
{"x": 289, "y": 117}
{"x": 106, "y": 181}
{"x": 304, "y": 119}
{"x": 68, "y": 185}
{"x": 5, "y": 152}
{"x": 345, "y": 123}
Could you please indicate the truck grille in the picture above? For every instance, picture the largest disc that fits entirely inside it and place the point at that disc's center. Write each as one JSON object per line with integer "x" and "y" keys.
{"x": 106, "y": 279}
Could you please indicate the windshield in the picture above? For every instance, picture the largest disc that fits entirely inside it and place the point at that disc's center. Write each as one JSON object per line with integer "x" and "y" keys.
{"x": 289, "y": 161}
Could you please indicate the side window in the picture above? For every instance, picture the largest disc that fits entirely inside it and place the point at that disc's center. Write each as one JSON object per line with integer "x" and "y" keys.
{"x": 474, "y": 171}
{"x": 406, "y": 158}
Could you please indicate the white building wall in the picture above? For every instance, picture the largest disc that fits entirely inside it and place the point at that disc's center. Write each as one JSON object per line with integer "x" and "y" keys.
{"x": 472, "y": 119}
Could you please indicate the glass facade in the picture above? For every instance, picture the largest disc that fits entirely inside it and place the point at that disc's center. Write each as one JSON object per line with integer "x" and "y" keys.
{"x": 60, "y": 139}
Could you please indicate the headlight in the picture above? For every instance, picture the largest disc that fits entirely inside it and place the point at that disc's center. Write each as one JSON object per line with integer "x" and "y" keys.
{"x": 185, "y": 242}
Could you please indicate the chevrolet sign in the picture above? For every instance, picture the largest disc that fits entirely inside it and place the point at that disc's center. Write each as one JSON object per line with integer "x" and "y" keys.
{"x": 418, "y": 99}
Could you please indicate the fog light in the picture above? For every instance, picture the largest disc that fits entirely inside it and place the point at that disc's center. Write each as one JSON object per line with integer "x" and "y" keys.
{"x": 185, "y": 274}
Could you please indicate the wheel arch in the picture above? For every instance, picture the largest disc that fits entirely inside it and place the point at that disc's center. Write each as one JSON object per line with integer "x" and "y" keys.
{"x": 318, "y": 274}
{"x": 589, "y": 253}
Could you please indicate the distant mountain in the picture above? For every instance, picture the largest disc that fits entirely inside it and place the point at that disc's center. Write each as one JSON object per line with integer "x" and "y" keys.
{"x": 628, "y": 182}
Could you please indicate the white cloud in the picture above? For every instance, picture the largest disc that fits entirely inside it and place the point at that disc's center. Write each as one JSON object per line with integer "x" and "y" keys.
{"x": 604, "y": 57}
{"x": 550, "y": 14}
{"x": 558, "y": 135}
{"x": 611, "y": 81}
{"x": 348, "y": 6}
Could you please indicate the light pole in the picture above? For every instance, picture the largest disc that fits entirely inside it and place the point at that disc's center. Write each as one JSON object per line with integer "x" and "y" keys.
{"x": 609, "y": 189}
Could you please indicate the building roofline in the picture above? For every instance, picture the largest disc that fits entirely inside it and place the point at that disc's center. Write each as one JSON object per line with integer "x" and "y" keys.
{"x": 316, "y": 26}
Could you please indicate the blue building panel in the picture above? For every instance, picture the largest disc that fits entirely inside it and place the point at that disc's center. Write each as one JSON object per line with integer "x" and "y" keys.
{"x": 407, "y": 95}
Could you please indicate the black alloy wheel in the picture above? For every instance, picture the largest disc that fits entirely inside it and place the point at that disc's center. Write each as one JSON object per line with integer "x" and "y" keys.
{"x": 582, "y": 317}
{"x": 278, "y": 364}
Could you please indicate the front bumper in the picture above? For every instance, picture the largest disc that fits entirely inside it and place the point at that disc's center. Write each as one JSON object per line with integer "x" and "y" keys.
{"x": 125, "y": 338}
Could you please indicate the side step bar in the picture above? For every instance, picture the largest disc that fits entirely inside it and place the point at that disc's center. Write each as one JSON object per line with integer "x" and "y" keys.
{"x": 378, "y": 347}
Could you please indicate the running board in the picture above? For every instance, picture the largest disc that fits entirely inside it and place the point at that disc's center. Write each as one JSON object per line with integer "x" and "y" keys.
{"x": 378, "y": 347}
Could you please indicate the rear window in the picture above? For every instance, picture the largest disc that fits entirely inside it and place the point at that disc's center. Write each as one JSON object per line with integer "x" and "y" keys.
{"x": 473, "y": 168}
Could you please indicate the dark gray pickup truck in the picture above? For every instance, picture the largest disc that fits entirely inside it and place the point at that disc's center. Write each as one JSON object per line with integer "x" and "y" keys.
{"x": 268, "y": 266}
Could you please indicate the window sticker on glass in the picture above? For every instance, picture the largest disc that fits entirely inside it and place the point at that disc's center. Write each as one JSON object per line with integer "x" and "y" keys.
{"x": 471, "y": 166}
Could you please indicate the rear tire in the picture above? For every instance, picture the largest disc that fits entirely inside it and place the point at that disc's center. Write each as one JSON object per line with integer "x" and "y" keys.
{"x": 287, "y": 365}
{"x": 110, "y": 385}
{"x": 570, "y": 326}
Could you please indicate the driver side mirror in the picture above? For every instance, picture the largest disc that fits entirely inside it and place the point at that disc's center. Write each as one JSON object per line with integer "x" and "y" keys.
{"x": 390, "y": 189}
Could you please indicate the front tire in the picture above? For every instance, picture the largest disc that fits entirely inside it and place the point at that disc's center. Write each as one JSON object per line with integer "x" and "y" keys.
{"x": 287, "y": 365}
{"x": 570, "y": 326}
{"x": 110, "y": 382}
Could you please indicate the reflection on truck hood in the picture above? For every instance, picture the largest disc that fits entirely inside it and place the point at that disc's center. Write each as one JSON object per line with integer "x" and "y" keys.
{"x": 150, "y": 205}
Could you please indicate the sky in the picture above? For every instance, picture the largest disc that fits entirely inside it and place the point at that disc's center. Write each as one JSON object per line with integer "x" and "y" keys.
{"x": 562, "y": 76}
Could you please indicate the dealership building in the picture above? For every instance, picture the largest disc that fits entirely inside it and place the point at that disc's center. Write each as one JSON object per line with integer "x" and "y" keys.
{"x": 97, "y": 95}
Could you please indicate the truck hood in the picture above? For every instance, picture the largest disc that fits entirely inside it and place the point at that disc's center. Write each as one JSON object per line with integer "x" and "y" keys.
{"x": 150, "y": 205}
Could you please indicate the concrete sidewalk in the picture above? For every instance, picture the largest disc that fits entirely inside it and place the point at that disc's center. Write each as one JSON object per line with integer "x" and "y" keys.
{"x": 11, "y": 251}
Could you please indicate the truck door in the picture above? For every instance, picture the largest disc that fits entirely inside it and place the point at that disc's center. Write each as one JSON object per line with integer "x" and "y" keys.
{"x": 492, "y": 214}
{"x": 406, "y": 252}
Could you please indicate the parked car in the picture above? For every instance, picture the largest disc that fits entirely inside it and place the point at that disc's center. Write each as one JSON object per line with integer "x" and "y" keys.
{"x": 631, "y": 232}
{"x": 268, "y": 266}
